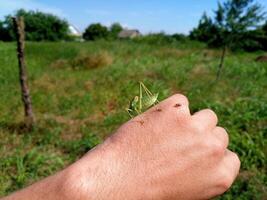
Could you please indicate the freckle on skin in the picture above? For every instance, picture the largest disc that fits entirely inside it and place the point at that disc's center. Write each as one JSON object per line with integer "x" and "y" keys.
{"x": 177, "y": 105}
{"x": 159, "y": 110}
{"x": 141, "y": 122}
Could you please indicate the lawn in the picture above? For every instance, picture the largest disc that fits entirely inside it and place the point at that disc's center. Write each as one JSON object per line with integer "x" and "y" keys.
{"x": 80, "y": 92}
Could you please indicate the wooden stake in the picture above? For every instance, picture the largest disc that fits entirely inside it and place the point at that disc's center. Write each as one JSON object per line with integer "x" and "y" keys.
{"x": 221, "y": 63}
{"x": 25, "y": 91}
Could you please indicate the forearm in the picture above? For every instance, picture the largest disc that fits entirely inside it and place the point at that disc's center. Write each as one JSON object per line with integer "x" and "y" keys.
{"x": 82, "y": 180}
{"x": 51, "y": 188}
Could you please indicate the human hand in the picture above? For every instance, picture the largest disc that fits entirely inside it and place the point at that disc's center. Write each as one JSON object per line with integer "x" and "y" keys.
{"x": 165, "y": 153}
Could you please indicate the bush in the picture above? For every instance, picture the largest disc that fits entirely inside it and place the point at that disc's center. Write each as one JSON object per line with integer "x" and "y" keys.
{"x": 156, "y": 38}
{"x": 115, "y": 29}
{"x": 179, "y": 37}
{"x": 95, "y": 31}
{"x": 92, "y": 61}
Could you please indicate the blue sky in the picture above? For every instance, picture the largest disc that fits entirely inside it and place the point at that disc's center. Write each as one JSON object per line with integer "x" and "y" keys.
{"x": 146, "y": 15}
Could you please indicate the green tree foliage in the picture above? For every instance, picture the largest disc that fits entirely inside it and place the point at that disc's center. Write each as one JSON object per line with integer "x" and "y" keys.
{"x": 206, "y": 30}
{"x": 39, "y": 26}
{"x": 4, "y": 32}
{"x": 235, "y": 25}
{"x": 234, "y": 19}
{"x": 6, "y": 29}
{"x": 115, "y": 29}
{"x": 95, "y": 31}
{"x": 264, "y": 27}
{"x": 179, "y": 37}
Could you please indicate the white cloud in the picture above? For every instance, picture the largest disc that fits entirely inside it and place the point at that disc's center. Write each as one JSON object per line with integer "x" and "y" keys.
{"x": 9, "y": 6}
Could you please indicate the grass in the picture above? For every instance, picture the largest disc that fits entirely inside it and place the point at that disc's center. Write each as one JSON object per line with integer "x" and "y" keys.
{"x": 77, "y": 107}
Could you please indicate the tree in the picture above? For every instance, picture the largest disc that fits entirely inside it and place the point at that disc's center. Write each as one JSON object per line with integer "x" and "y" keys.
{"x": 206, "y": 30}
{"x": 95, "y": 31}
{"x": 179, "y": 37}
{"x": 115, "y": 29}
{"x": 264, "y": 27}
{"x": 264, "y": 40}
{"x": 234, "y": 19}
{"x": 38, "y": 26}
{"x": 6, "y": 30}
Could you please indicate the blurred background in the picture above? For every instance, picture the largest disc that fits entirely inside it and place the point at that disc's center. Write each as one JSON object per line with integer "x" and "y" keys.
{"x": 84, "y": 60}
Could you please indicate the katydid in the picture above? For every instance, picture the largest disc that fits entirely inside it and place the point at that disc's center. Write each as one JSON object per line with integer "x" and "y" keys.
{"x": 142, "y": 102}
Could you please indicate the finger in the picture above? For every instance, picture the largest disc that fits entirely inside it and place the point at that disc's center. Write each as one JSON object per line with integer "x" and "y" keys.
{"x": 221, "y": 134}
{"x": 232, "y": 161}
{"x": 231, "y": 164}
{"x": 205, "y": 119}
{"x": 228, "y": 171}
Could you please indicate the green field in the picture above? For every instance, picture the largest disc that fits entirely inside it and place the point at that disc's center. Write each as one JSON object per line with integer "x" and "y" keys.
{"x": 80, "y": 92}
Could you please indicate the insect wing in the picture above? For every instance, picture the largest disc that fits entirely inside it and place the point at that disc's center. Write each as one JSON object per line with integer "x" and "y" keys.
{"x": 149, "y": 101}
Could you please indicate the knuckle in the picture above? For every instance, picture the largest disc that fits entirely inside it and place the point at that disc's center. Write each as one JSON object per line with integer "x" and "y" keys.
{"x": 221, "y": 129}
{"x": 212, "y": 113}
{"x": 225, "y": 182}
{"x": 180, "y": 98}
{"x": 216, "y": 148}
{"x": 222, "y": 135}
{"x": 237, "y": 160}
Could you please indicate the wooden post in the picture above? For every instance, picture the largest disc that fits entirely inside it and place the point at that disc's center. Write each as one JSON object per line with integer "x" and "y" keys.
{"x": 221, "y": 63}
{"x": 25, "y": 92}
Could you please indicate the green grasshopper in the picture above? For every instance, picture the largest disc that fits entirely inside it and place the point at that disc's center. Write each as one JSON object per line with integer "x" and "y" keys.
{"x": 142, "y": 102}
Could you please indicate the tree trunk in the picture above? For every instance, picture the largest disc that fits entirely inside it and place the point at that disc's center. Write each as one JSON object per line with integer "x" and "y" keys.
{"x": 25, "y": 92}
{"x": 221, "y": 63}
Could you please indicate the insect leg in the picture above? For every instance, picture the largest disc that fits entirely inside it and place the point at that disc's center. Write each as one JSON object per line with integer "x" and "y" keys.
{"x": 146, "y": 90}
{"x": 129, "y": 112}
{"x": 140, "y": 97}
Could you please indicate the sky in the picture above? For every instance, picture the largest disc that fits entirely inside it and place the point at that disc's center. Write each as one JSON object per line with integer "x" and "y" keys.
{"x": 170, "y": 16}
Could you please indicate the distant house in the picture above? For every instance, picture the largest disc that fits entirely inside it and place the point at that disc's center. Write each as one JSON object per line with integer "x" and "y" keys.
{"x": 73, "y": 31}
{"x": 129, "y": 34}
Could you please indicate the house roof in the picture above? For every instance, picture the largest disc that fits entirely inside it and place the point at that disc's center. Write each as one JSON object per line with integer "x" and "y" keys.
{"x": 74, "y": 31}
{"x": 128, "y": 33}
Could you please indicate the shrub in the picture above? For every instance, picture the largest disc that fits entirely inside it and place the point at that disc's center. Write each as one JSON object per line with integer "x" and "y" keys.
{"x": 60, "y": 63}
{"x": 91, "y": 61}
{"x": 115, "y": 29}
{"x": 156, "y": 38}
{"x": 95, "y": 31}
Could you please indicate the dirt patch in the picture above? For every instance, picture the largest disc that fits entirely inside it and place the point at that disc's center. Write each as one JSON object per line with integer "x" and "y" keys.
{"x": 207, "y": 54}
{"x": 261, "y": 58}
{"x": 45, "y": 82}
{"x": 59, "y": 64}
{"x": 199, "y": 70}
{"x": 72, "y": 127}
{"x": 88, "y": 85}
{"x": 92, "y": 61}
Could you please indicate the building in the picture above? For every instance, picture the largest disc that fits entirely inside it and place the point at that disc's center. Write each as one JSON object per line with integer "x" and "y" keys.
{"x": 129, "y": 34}
{"x": 73, "y": 31}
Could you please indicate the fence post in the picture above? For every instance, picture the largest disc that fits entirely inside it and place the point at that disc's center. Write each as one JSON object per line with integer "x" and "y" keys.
{"x": 25, "y": 91}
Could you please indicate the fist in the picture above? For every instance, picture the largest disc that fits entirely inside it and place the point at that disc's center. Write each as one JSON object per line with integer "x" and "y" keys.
{"x": 164, "y": 153}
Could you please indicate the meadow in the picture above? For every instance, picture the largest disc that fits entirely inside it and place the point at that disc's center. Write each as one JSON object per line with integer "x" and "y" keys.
{"x": 80, "y": 92}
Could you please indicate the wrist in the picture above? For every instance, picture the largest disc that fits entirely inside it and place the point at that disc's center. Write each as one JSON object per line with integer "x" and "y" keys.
{"x": 93, "y": 176}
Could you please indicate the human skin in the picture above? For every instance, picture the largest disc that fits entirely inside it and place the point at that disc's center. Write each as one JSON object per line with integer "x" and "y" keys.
{"x": 164, "y": 153}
